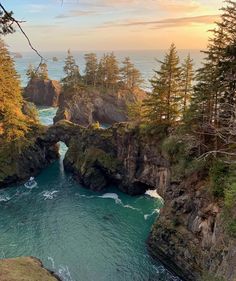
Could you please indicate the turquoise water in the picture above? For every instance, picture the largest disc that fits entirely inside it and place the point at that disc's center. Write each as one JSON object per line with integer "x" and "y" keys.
{"x": 82, "y": 235}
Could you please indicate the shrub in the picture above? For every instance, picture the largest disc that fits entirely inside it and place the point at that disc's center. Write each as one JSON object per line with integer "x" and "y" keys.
{"x": 219, "y": 173}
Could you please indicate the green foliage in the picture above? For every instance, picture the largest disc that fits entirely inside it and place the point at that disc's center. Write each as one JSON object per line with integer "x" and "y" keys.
{"x": 73, "y": 80}
{"x": 211, "y": 277}
{"x": 163, "y": 105}
{"x": 41, "y": 72}
{"x": 218, "y": 174}
{"x": 130, "y": 76}
{"x": 231, "y": 228}
{"x": 135, "y": 112}
{"x": 91, "y": 68}
{"x": 13, "y": 123}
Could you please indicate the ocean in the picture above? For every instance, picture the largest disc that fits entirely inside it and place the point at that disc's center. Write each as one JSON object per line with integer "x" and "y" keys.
{"x": 145, "y": 61}
{"x": 80, "y": 234}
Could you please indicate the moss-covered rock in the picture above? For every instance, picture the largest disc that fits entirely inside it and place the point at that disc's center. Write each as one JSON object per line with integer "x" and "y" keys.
{"x": 24, "y": 269}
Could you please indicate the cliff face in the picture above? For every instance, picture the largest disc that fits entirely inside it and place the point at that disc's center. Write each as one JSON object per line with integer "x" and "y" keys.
{"x": 190, "y": 236}
{"x": 100, "y": 157}
{"x": 20, "y": 165}
{"x": 25, "y": 269}
{"x": 92, "y": 105}
{"x": 43, "y": 92}
{"x": 191, "y": 233}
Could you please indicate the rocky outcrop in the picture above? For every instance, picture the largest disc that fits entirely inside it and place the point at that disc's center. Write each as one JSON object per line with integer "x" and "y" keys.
{"x": 43, "y": 92}
{"x": 25, "y": 269}
{"x": 119, "y": 154}
{"x": 17, "y": 165}
{"x": 190, "y": 235}
{"x": 90, "y": 105}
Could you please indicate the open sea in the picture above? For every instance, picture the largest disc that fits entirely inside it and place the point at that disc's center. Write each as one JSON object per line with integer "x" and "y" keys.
{"x": 145, "y": 61}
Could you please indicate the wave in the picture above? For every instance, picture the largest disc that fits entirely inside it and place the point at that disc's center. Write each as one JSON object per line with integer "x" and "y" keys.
{"x": 155, "y": 211}
{"x": 4, "y": 198}
{"x": 113, "y": 196}
{"x": 64, "y": 273}
{"x": 153, "y": 193}
{"x": 50, "y": 194}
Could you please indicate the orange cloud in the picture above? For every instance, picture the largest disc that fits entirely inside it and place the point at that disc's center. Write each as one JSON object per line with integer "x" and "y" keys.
{"x": 170, "y": 22}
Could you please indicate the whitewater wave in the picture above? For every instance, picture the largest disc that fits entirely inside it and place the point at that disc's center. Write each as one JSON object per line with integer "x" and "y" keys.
{"x": 4, "y": 198}
{"x": 153, "y": 193}
{"x": 113, "y": 196}
{"x": 64, "y": 273}
{"x": 52, "y": 261}
{"x": 49, "y": 195}
{"x": 155, "y": 211}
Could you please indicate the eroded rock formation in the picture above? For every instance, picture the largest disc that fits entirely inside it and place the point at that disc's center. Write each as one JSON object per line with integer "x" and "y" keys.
{"x": 90, "y": 105}
{"x": 43, "y": 92}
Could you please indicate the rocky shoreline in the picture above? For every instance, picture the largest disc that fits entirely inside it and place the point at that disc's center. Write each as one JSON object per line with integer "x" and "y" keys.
{"x": 189, "y": 237}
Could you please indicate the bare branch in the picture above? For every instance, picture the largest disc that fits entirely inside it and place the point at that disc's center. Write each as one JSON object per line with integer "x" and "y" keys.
{"x": 18, "y": 23}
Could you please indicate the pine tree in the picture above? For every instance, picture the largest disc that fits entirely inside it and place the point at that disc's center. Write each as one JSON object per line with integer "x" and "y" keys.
{"x": 163, "y": 105}
{"x": 73, "y": 78}
{"x": 13, "y": 123}
{"x": 187, "y": 75}
{"x": 130, "y": 76}
{"x": 91, "y": 68}
{"x": 43, "y": 71}
{"x": 112, "y": 71}
{"x": 31, "y": 72}
{"x": 101, "y": 72}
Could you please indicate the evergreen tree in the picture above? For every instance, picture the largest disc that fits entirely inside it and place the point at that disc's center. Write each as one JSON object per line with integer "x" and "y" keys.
{"x": 43, "y": 71}
{"x": 214, "y": 100}
{"x": 112, "y": 71}
{"x": 101, "y": 72}
{"x": 130, "y": 76}
{"x": 163, "y": 105}
{"x": 91, "y": 68}
{"x": 187, "y": 75}
{"x": 72, "y": 79}
{"x": 31, "y": 72}
{"x": 13, "y": 123}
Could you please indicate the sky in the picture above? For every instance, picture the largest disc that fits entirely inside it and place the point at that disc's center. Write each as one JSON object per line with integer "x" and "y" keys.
{"x": 56, "y": 25}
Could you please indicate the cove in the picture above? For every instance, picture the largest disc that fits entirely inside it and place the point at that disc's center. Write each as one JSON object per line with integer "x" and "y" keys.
{"x": 81, "y": 235}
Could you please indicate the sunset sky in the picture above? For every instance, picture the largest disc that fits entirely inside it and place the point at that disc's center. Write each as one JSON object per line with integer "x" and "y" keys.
{"x": 113, "y": 24}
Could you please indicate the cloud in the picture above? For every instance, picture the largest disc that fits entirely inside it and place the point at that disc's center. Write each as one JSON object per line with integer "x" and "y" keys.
{"x": 169, "y": 22}
{"x": 173, "y": 6}
{"x": 75, "y": 13}
{"x": 36, "y": 8}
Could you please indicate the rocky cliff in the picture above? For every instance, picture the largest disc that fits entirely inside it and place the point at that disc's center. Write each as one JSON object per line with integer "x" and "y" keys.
{"x": 25, "y": 269}
{"x": 43, "y": 92}
{"x": 90, "y": 105}
{"x": 190, "y": 235}
{"x": 17, "y": 165}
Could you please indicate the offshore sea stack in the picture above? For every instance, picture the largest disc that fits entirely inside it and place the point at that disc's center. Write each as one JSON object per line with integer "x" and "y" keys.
{"x": 43, "y": 92}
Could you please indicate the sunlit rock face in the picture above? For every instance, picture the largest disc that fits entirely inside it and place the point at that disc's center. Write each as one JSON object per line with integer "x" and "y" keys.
{"x": 25, "y": 268}
{"x": 43, "y": 92}
{"x": 91, "y": 105}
